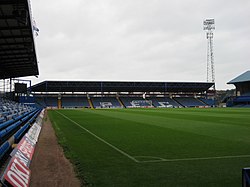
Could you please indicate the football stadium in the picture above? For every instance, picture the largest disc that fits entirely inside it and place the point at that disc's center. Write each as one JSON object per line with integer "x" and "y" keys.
{"x": 114, "y": 133}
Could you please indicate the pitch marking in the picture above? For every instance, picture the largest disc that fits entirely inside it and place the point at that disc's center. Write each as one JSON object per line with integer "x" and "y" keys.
{"x": 158, "y": 159}
{"x": 153, "y": 158}
{"x": 102, "y": 140}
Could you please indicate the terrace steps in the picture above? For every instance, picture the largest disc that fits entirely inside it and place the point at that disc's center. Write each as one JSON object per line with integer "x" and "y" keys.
{"x": 201, "y": 101}
{"x": 122, "y": 105}
{"x": 90, "y": 103}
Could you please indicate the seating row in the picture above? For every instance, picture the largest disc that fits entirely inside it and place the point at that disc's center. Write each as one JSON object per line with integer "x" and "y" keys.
{"x": 15, "y": 118}
{"x": 11, "y": 109}
{"x": 127, "y": 102}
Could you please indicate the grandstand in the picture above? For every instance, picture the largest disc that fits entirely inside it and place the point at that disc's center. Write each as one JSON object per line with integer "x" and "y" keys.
{"x": 189, "y": 101}
{"x": 206, "y": 101}
{"x": 17, "y": 54}
{"x": 75, "y": 101}
{"x": 13, "y": 116}
{"x": 105, "y": 102}
{"x": 136, "y": 102}
{"x": 19, "y": 123}
{"x": 242, "y": 97}
{"x": 104, "y": 94}
{"x": 164, "y": 102}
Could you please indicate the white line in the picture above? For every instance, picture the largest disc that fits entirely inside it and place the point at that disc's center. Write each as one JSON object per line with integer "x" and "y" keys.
{"x": 193, "y": 159}
{"x": 151, "y": 157}
{"x": 151, "y": 161}
{"x": 102, "y": 140}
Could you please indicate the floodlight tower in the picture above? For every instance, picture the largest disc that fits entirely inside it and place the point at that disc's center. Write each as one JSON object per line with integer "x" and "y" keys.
{"x": 209, "y": 26}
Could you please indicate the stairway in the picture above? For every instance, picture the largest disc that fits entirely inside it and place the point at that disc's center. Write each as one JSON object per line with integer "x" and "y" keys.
{"x": 122, "y": 105}
{"x": 90, "y": 103}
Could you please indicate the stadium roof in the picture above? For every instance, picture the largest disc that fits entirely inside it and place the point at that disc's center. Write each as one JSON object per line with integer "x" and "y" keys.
{"x": 245, "y": 77}
{"x": 17, "y": 49}
{"x": 109, "y": 86}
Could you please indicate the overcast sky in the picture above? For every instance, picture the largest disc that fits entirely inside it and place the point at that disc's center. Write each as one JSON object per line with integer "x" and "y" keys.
{"x": 140, "y": 40}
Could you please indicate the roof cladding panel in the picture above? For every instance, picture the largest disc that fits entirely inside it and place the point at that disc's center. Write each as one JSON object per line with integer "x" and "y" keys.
{"x": 17, "y": 48}
{"x": 244, "y": 77}
{"x": 120, "y": 86}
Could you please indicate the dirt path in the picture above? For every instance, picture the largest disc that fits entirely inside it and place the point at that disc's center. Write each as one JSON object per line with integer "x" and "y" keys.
{"x": 49, "y": 166}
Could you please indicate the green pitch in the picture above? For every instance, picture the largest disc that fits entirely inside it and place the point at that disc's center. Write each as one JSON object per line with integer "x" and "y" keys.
{"x": 156, "y": 147}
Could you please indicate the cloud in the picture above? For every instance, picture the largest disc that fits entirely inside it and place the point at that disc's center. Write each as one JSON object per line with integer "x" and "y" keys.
{"x": 140, "y": 40}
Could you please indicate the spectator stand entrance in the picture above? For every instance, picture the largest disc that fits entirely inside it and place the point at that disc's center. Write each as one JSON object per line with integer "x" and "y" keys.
{"x": 121, "y": 94}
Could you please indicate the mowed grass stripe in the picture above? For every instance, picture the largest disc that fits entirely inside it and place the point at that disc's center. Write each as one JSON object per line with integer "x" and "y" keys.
{"x": 155, "y": 160}
{"x": 161, "y": 141}
{"x": 102, "y": 140}
{"x": 198, "y": 115}
{"x": 95, "y": 162}
{"x": 101, "y": 166}
{"x": 200, "y": 125}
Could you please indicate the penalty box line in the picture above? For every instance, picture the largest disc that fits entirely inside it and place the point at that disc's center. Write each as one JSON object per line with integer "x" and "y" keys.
{"x": 100, "y": 139}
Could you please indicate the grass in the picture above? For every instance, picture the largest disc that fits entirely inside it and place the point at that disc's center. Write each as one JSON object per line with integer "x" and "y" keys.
{"x": 170, "y": 147}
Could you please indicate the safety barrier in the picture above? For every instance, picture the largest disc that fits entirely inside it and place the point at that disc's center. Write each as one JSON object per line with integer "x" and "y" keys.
{"x": 17, "y": 173}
